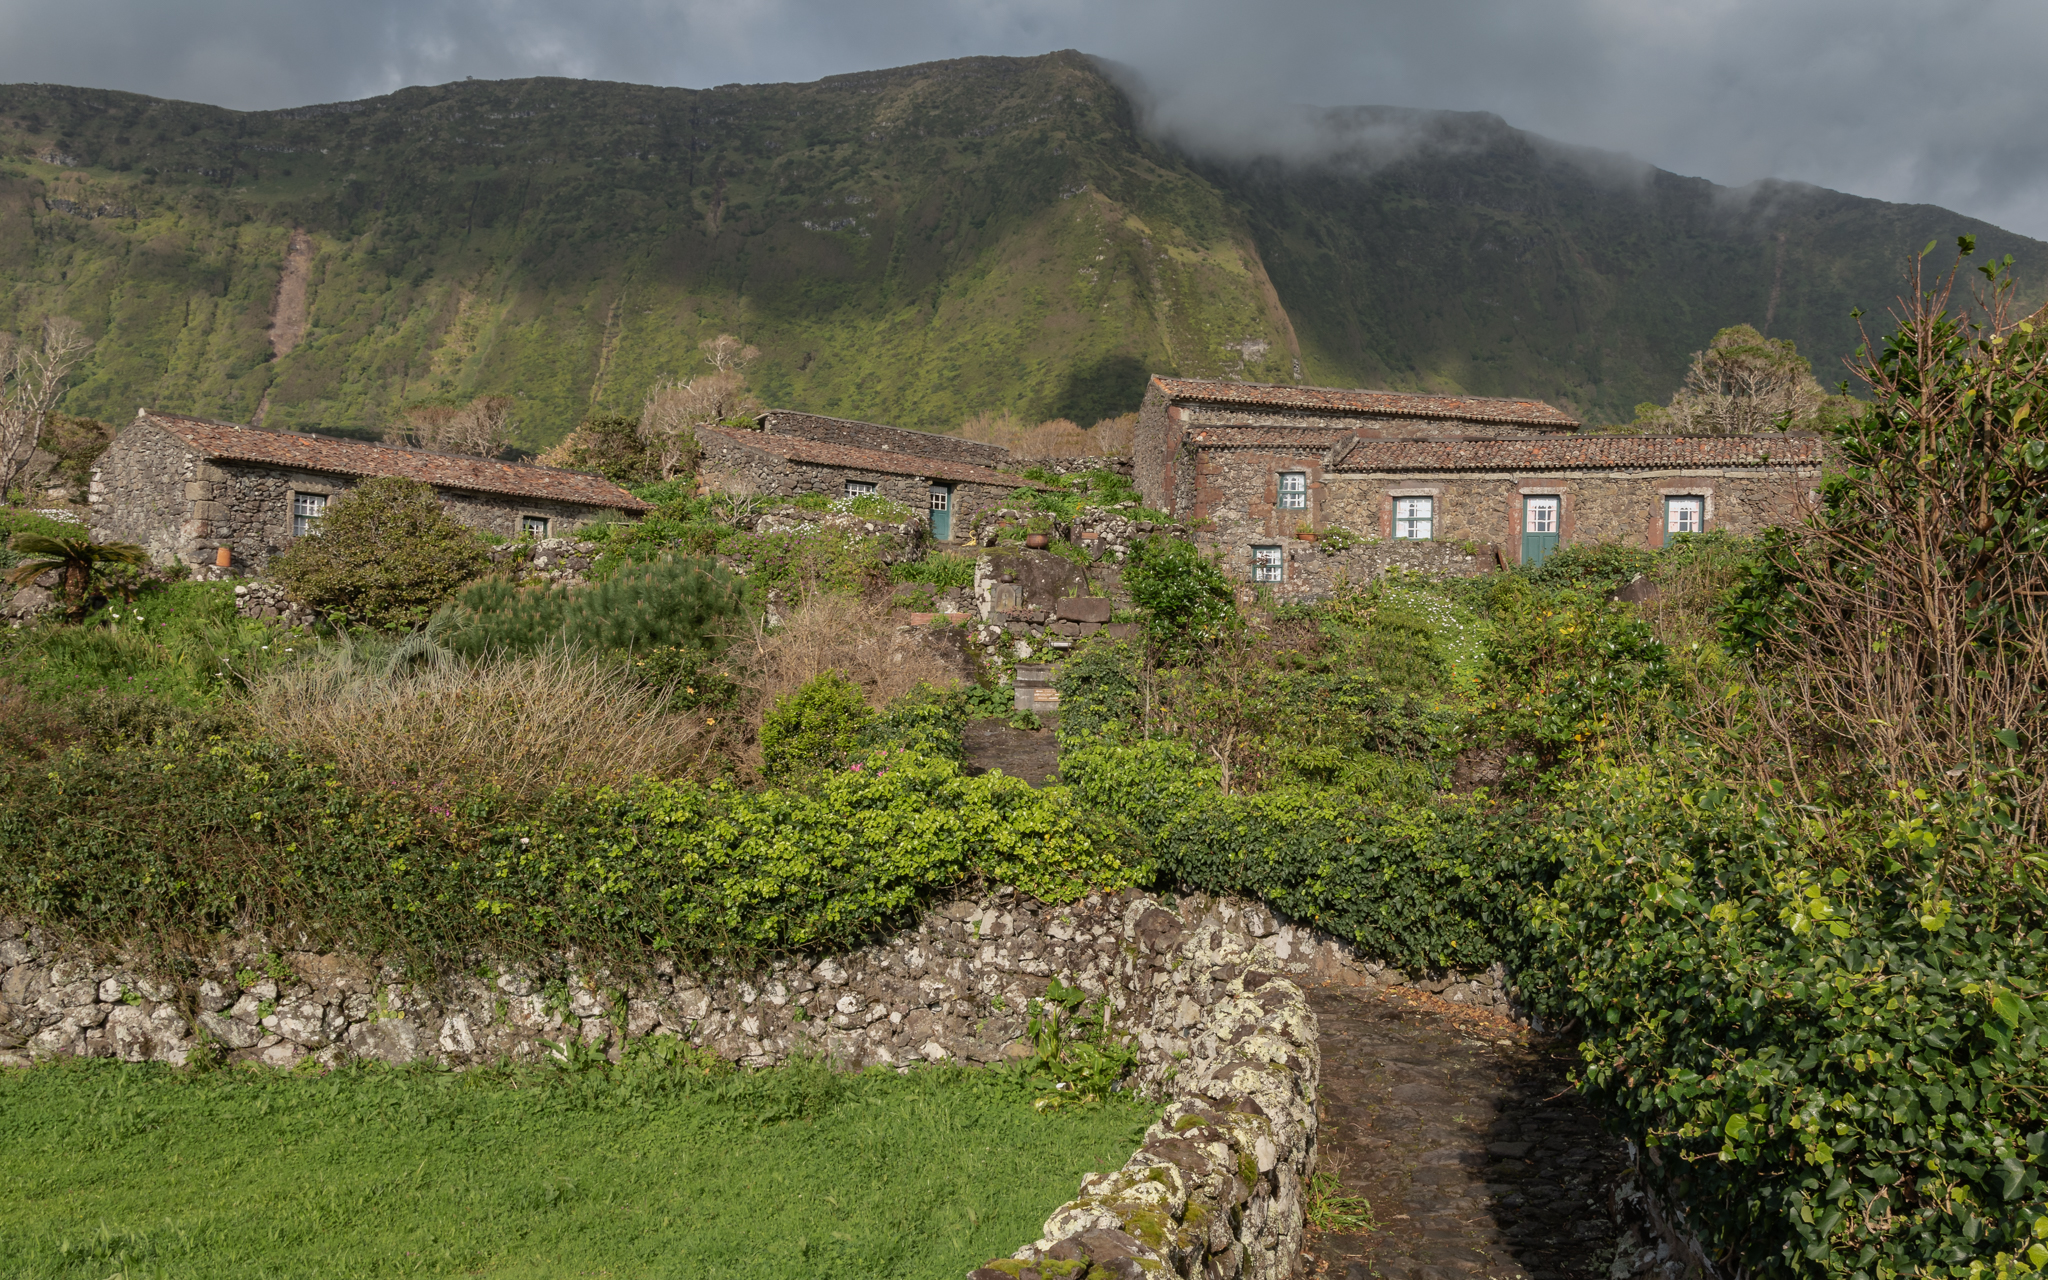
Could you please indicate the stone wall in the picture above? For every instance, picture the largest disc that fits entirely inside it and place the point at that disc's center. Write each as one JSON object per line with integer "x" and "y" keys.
{"x": 1314, "y": 571}
{"x": 1604, "y": 506}
{"x": 732, "y": 467}
{"x": 149, "y": 488}
{"x": 138, "y": 492}
{"x": 872, "y": 435}
{"x": 1206, "y": 990}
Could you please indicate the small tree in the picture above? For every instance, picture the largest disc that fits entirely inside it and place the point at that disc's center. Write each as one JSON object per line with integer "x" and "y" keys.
{"x": 31, "y": 381}
{"x": 386, "y": 555}
{"x": 674, "y": 410}
{"x": 609, "y": 444}
{"x": 482, "y": 428}
{"x": 1186, "y": 599}
{"x": 1742, "y": 384}
{"x": 728, "y": 354}
{"x": 77, "y": 559}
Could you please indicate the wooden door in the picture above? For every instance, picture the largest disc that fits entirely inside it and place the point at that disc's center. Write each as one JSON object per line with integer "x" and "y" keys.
{"x": 1539, "y": 527}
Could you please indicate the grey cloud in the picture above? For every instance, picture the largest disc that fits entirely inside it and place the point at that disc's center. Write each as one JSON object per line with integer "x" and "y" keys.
{"x": 1914, "y": 100}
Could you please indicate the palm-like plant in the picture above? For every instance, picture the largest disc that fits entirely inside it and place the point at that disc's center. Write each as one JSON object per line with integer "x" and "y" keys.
{"x": 75, "y": 558}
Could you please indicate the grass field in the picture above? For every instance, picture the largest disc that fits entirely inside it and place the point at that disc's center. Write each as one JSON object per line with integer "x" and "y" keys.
{"x": 141, "y": 1171}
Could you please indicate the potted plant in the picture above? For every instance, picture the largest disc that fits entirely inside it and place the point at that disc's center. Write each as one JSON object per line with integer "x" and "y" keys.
{"x": 1305, "y": 531}
{"x": 1037, "y": 541}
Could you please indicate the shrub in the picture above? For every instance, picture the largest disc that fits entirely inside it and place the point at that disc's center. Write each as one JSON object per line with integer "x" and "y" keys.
{"x": 1423, "y": 886}
{"x": 1823, "y": 1026}
{"x": 1099, "y": 688}
{"x": 386, "y": 555}
{"x": 1185, "y": 597}
{"x": 816, "y": 727}
{"x": 173, "y": 843}
{"x": 828, "y": 632}
{"x": 411, "y": 716}
{"x": 687, "y": 604}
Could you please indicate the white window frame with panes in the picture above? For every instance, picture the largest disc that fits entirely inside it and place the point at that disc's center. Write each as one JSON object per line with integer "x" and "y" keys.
{"x": 1269, "y": 564}
{"x": 308, "y": 510}
{"x": 1293, "y": 491}
{"x": 1414, "y": 517}
{"x": 528, "y": 523}
{"x": 1684, "y": 513}
{"x": 860, "y": 489}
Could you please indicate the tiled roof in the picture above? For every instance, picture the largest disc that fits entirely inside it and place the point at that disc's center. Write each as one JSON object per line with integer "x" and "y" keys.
{"x": 1223, "y": 436}
{"x": 1396, "y": 404}
{"x": 1580, "y": 453}
{"x": 818, "y": 453}
{"x": 227, "y": 442}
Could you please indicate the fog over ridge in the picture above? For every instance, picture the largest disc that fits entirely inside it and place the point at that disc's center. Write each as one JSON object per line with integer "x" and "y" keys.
{"x": 1896, "y": 99}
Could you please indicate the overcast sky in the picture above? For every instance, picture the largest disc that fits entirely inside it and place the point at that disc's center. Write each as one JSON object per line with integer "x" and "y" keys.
{"x": 1939, "y": 101}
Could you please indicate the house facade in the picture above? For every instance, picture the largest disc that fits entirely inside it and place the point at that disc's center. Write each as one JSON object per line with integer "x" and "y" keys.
{"x": 793, "y": 454}
{"x": 1261, "y": 468}
{"x": 194, "y": 490}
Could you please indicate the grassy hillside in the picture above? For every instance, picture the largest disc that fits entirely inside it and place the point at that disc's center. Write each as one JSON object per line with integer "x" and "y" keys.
{"x": 911, "y": 245}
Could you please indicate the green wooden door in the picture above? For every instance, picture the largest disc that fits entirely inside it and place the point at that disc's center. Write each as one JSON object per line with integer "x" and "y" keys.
{"x": 942, "y": 512}
{"x": 1539, "y": 527}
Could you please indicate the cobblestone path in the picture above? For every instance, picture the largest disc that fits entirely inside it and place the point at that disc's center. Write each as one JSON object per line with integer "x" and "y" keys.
{"x": 1463, "y": 1132}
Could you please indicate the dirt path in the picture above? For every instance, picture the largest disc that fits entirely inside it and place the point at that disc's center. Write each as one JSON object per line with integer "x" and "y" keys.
{"x": 1462, "y": 1131}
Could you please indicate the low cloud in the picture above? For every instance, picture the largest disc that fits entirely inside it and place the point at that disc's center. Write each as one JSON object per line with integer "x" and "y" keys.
{"x": 1902, "y": 99}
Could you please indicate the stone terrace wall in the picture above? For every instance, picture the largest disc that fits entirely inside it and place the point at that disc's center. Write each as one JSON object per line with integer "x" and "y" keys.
{"x": 1205, "y": 988}
{"x": 1314, "y": 572}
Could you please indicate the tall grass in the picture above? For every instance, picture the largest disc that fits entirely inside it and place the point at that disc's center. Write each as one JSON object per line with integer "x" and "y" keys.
{"x": 412, "y": 715}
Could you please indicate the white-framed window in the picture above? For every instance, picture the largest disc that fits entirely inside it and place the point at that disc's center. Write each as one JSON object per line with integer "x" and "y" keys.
{"x": 533, "y": 526}
{"x": 307, "y": 511}
{"x": 1267, "y": 566}
{"x": 942, "y": 498}
{"x": 1685, "y": 514}
{"x": 1293, "y": 491}
{"x": 1542, "y": 515}
{"x": 1415, "y": 518}
{"x": 859, "y": 488}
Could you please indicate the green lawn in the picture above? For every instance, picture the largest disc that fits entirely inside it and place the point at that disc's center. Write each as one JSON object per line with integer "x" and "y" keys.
{"x": 130, "y": 1171}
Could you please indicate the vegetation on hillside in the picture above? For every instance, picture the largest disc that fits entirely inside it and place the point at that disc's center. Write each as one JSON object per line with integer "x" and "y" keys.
{"x": 915, "y": 246}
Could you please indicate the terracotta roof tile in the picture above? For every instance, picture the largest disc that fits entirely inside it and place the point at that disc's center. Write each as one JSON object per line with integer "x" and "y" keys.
{"x": 818, "y": 453}
{"x": 1397, "y": 404}
{"x": 306, "y": 452}
{"x": 1580, "y": 453}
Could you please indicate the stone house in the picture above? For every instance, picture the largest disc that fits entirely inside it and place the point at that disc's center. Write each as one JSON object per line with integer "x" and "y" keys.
{"x": 1258, "y": 467}
{"x": 218, "y": 494}
{"x": 799, "y": 453}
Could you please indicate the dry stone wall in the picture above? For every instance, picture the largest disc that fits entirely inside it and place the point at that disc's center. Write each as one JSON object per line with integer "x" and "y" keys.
{"x": 1208, "y": 992}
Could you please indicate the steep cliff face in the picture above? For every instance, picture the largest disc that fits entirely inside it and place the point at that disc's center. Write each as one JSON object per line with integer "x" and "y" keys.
{"x": 913, "y": 246}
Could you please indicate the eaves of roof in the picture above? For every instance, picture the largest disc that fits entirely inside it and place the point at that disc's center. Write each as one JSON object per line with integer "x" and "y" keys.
{"x": 1397, "y": 404}
{"x": 889, "y": 462}
{"x": 1581, "y": 453}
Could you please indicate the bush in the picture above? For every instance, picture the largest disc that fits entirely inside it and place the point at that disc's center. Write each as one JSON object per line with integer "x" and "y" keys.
{"x": 1185, "y": 597}
{"x": 1423, "y": 886}
{"x": 1823, "y": 1026}
{"x": 817, "y": 727}
{"x": 176, "y": 842}
{"x": 671, "y": 604}
{"x": 385, "y": 556}
{"x": 940, "y": 571}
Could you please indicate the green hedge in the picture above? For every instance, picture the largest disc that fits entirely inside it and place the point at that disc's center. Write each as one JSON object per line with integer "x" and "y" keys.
{"x": 191, "y": 838}
{"x": 1425, "y": 887}
{"x": 1823, "y": 1026}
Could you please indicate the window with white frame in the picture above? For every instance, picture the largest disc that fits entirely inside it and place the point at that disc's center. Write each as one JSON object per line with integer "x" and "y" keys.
{"x": 859, "y": 488}
{"x": 1267, "y": 565}
{"x": 1415, "y": 518}
{"x": 1685, "y": 514}
{"x": 1294, "y": 490}
{"x": 1542, "y": 515}
{"x": 533, "y": 526}
{"x": 307, "y": 511}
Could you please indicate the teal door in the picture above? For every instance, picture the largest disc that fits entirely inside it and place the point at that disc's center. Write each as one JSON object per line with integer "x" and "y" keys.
{"x": 1539, "y": 527}
{"x": 942, "y": 512}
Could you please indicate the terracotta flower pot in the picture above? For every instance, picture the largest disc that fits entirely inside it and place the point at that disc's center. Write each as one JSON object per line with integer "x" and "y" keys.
{"x": 1037, "y": 541}
{"x": 1305, "y": 537}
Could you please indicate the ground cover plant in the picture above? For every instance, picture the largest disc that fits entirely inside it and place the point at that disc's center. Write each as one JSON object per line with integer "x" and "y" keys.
{"x": 657, "y": 1167}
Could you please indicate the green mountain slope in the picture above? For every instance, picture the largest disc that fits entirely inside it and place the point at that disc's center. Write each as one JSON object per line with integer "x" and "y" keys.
{"x": 1492, "y": 261}
{"x": 913, "y": 246}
